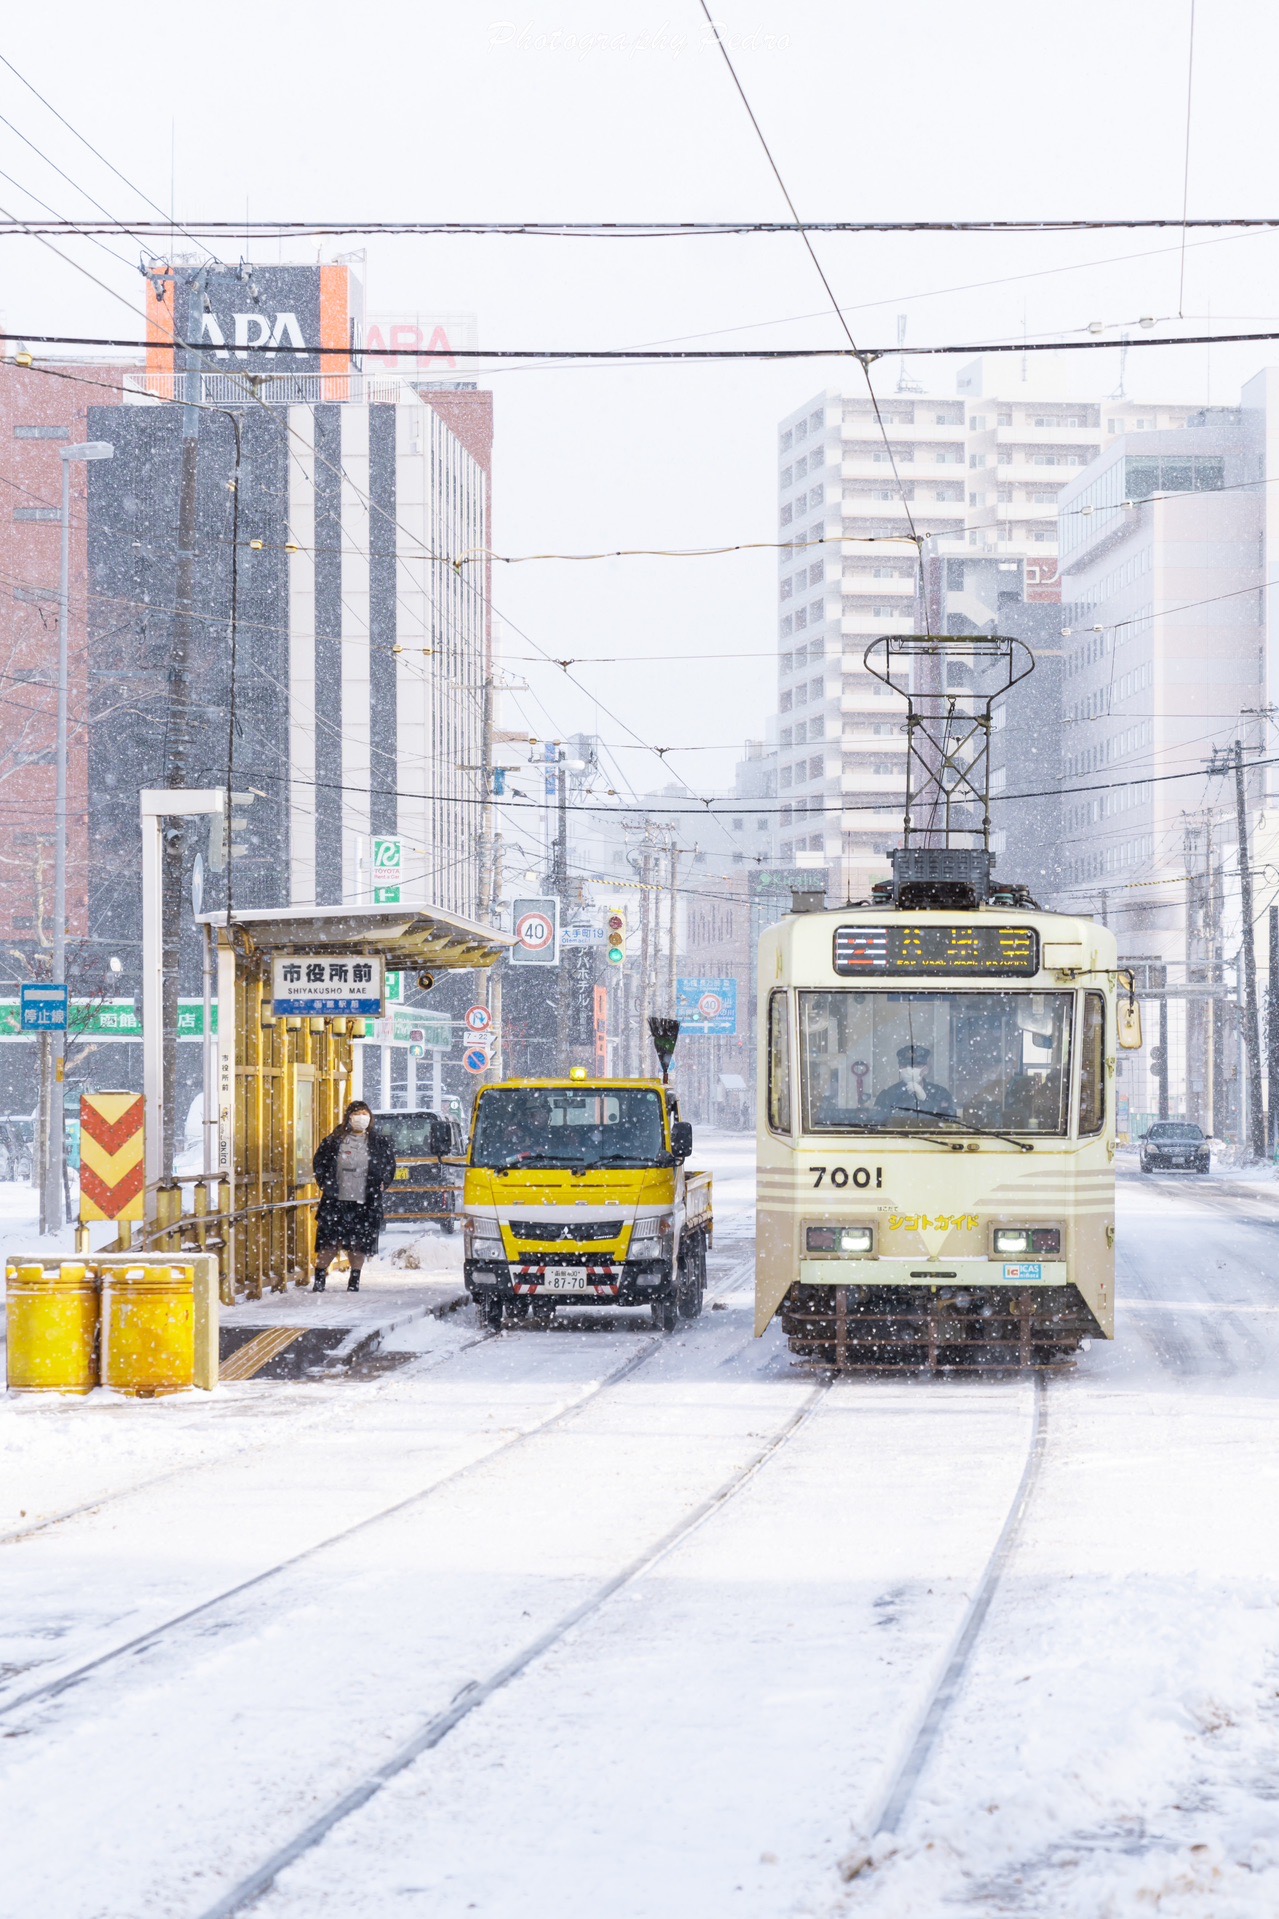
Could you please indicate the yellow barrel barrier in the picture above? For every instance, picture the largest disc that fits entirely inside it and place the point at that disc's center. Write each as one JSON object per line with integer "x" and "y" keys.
{"x": 53, "y": 1326}
{"x": 148, "y": 1328}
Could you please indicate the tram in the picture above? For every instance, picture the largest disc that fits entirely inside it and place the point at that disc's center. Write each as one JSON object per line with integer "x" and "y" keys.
{"x": 937, "y": 1133}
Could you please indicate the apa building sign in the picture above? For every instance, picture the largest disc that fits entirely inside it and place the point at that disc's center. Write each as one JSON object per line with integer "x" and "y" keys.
{"x": 418, "y": 343}
{"x": 226, "y": 313}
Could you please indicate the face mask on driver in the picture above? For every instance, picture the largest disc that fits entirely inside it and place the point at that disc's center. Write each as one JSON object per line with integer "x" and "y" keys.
{"x": 359, "y": 1122}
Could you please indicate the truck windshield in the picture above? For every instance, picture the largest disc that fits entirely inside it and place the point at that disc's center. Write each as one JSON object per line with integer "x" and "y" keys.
{"x": 565, "y": 1126}
{"x": 926, "y": 1062}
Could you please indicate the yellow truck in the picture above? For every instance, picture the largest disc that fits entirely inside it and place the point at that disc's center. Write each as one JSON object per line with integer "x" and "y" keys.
{"x": 577, "y": 1192}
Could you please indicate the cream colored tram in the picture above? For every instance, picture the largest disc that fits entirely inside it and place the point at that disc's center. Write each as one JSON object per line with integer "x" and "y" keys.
{"x": 936, "y": 1135}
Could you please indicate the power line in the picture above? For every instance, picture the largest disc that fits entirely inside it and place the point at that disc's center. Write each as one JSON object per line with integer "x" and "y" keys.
{"x": 630, "y": 229}
{"x": 688, "y": 356}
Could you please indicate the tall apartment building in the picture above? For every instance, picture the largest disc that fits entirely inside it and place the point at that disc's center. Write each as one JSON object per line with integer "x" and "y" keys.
{"x": 981, "y": 474}
{"x": 1166, "y": 661}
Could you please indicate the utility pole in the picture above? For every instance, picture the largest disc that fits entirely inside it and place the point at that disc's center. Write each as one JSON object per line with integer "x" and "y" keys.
{"x": 53, "y": 1135}
{"x": 1272, "y": 1034}
{"x": 672, "y": 974}
{"x": 176, "y": 730}
{"x": 1252, "y": 1028}
{"x": 646, "y": 951}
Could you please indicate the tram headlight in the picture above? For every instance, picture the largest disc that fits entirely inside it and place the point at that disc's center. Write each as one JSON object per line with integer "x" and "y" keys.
{"x": 839, "y": 1242}
{"x": 1016, "y": 1241}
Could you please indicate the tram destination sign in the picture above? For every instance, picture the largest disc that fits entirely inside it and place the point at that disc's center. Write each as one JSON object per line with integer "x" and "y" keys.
{"x": 1010, "y": 952}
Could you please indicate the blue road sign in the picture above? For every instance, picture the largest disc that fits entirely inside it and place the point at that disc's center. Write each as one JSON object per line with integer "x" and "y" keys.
{"x": 44, "y": 1009}
{"x": 706, "y": 1008}
{"x": 475, "y": 1059}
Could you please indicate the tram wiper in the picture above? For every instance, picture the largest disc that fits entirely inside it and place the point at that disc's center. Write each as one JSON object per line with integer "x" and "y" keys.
{"x": 986, "y": 1132}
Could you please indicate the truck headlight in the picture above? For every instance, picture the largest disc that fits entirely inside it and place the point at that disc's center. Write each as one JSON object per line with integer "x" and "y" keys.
{"x": 483, "y": 1241}
{"x": 652, "y": 1231}
{"x": 839, "y": 1241}
{"x": 1020, "y": 1240}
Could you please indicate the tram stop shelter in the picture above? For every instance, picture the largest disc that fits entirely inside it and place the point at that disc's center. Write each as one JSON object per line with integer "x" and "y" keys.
{"x": 280, "y": 1081}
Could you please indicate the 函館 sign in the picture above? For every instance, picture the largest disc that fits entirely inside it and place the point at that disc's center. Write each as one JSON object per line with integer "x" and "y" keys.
{"x": 326, "y": 985}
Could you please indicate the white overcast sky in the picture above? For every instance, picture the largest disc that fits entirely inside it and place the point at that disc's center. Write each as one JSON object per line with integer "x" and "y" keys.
{"x": 918, "y": 108}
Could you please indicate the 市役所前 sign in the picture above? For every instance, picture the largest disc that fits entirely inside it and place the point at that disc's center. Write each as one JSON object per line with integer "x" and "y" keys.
{"x": 326, "y": 985}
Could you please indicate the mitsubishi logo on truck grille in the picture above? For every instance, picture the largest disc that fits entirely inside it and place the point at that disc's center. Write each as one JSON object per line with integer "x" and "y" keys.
{"x": 579, "y": 1229}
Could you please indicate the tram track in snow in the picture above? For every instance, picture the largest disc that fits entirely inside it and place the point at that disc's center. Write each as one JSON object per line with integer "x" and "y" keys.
{"x": 918, "y": 1744}
{"x": 436, "y": 1728}
{"x": 427, "y": 1363}
{"x": 157, "y": 1634}
{"x": 894, "y": 1803}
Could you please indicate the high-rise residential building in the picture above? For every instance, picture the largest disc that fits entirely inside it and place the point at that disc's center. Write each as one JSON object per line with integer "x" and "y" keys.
{"x": 1167, "y": 663}
{"x": 966, "y": 475}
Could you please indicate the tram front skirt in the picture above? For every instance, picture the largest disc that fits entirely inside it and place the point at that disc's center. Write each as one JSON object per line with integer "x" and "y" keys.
{"x": 855, "y": 1328}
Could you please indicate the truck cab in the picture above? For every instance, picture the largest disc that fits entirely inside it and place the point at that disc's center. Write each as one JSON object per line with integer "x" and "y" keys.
{"x": 577, "y": 1192}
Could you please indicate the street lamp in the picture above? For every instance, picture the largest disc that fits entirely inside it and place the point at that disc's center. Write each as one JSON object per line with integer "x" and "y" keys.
{"x": 55, "y": 1134}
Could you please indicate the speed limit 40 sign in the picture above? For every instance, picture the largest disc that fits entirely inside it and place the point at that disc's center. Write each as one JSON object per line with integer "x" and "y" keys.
{"x": 536, "y": 926}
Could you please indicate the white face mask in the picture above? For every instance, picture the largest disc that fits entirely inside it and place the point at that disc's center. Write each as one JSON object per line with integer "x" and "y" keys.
{"x": 359, "y": 1122}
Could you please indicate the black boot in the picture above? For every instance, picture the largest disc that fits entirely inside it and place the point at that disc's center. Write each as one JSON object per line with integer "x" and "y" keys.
{"x": 321, "y": 1274}
{"x": 353, "y": 1283}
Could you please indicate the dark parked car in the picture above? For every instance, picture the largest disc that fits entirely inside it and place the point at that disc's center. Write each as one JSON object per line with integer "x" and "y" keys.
{"x": 424, "y": 1187}
{"x": 1174, "y": 1145}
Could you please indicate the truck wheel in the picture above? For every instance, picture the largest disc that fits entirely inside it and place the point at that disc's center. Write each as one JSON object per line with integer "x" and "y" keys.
{"x": 448, "y": 1224}
{"x": 493, "y": 1313}
{"x": 693, "y": 1288}
{"x": 666, "y": 1313}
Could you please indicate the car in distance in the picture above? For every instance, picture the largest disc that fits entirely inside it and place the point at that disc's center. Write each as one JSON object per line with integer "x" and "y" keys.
{"x": 1174, "y": 1145}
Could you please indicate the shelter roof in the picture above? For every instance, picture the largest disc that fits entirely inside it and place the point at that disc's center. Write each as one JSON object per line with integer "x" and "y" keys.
{"x": 404, "y": 936}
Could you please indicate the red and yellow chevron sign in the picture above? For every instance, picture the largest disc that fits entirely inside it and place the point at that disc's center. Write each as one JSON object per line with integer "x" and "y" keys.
{"x": 112, "y": 1165}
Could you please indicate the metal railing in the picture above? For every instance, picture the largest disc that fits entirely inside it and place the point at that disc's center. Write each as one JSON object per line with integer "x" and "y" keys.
{"x": 262, "y": 1247}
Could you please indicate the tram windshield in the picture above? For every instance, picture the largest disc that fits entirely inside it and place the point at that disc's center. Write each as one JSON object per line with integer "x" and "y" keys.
{"x": 924, "y": 1062}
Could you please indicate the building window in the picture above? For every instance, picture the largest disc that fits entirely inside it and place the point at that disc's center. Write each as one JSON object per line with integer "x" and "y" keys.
{"x": 801, "y": 468}
{"x": 786, "y": 439}
{"x": 786, "y": 736}
{"x": 786, "y": 589}
{"x": 786, "y": 515}
{"x": 787, "y": 473}
{"x": 1003, "y": 419}
{"x": 801, "y": 430}
{"x": 816, "y": 609}
{"x": 817, "y": 457}
{"x": 787, "y": 661}
{"x": 801, "y": 618}
{"x": 786, "y": 627}
{"x": 815, "y": 421}
{"x": 31, "y": 514}
{"x": 814, "y": 689}
{"x": 738, "y": 825}
{"x": 815, "y": 767}
{"x": 783, "y": 705}
{"x": 815, "y": 573}
{"x": 42, "y": 432}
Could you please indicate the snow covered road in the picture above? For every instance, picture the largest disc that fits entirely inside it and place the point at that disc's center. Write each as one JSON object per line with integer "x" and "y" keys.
{"x": 714, "y": 1736}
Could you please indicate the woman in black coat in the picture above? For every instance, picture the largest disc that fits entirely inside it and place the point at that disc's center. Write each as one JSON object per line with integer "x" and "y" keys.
{"x": 352, "y": 1166}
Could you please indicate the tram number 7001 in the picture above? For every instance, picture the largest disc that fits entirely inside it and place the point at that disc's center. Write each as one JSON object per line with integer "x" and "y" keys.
{"x": 841, "y": 1176}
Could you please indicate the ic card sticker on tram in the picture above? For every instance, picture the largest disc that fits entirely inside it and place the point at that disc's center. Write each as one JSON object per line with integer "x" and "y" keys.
{"x": 1010, "y": 952}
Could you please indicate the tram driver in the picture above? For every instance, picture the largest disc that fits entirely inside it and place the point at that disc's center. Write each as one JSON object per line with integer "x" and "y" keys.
{"x": 914, "y": 1092}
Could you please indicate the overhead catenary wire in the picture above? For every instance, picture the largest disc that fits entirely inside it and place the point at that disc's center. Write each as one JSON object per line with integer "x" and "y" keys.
{"x": 292, "y": 228}
{"x": 24, "y": 338}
